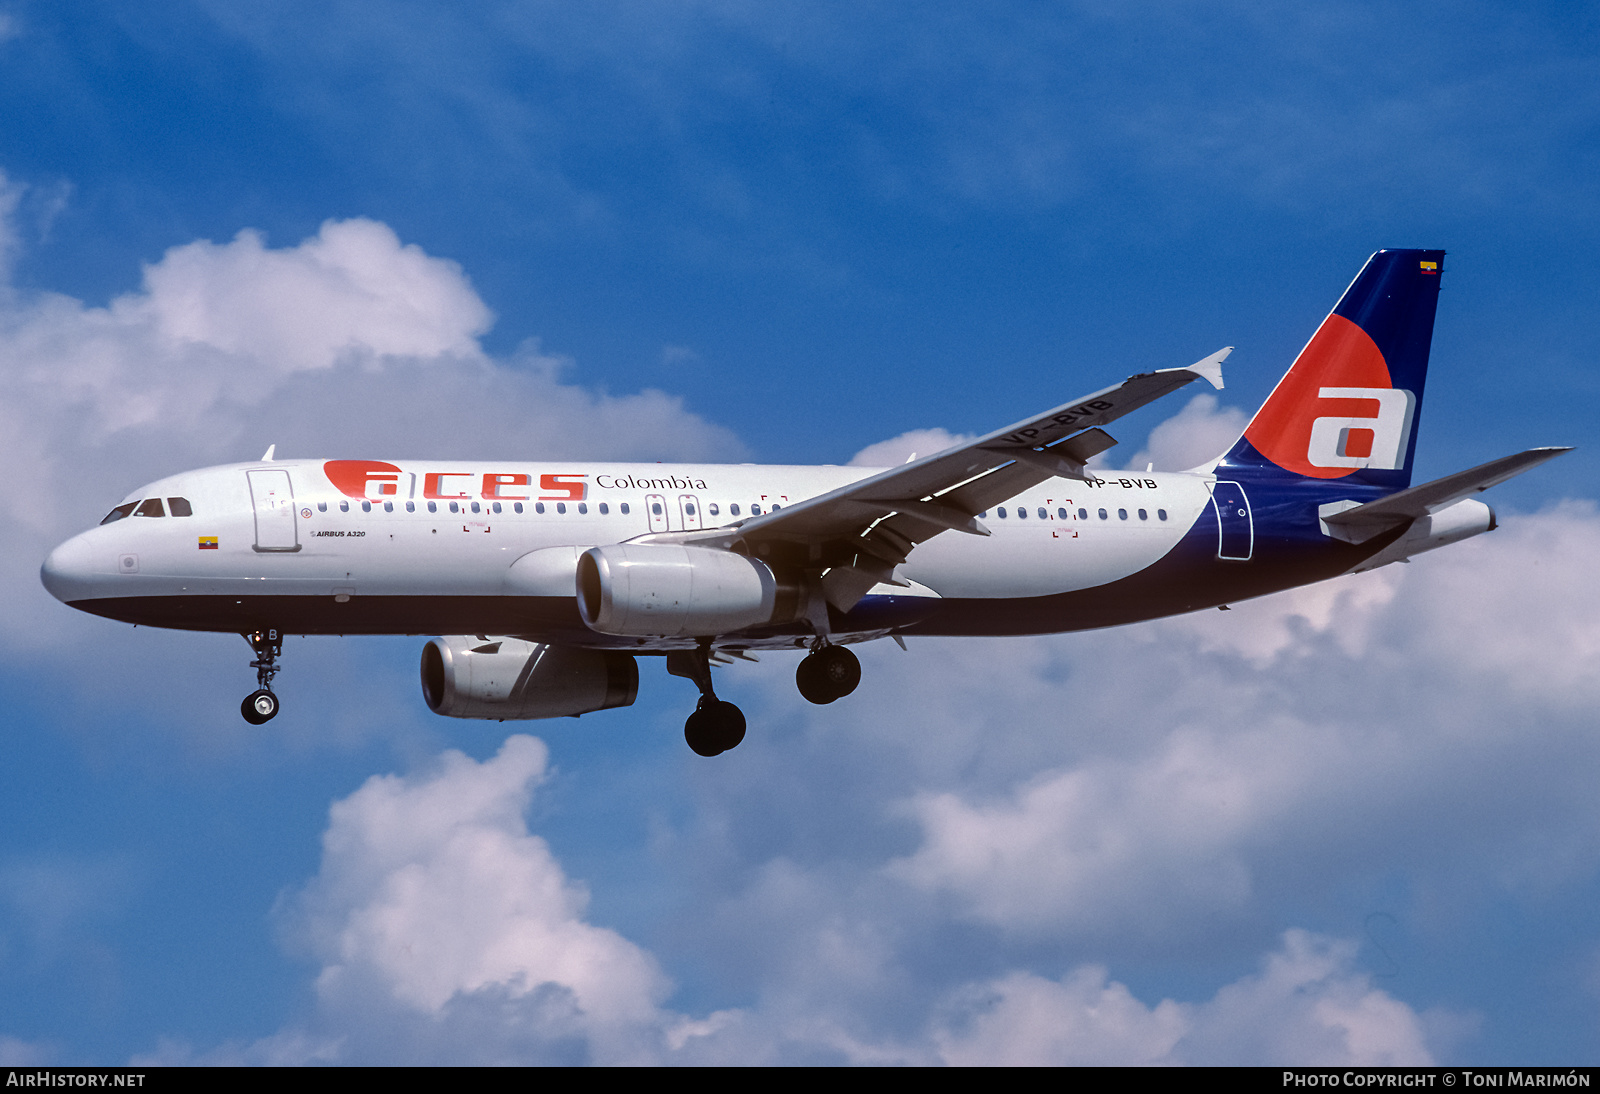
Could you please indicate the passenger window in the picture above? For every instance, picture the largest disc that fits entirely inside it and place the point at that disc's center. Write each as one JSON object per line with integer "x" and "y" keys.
{"x": 411, "y": 507}
{"x": 583, "y": 508}
{"x": 475, "y": 507}
{"x": 1044, "y": 514}
{"x": 713, "y": 508}
{"x": 366, "y": 507}
{"x": 984, "y": 515}
{"x": 1001, "y": 512}
{"x": 495, "y": 507}
{"x": 322, "y": 507}
{"x": 119, "y": 512}
{"x": 1143, "y": 515}
{"x": 455, "y": 508}
{"x": 388, "y": 507}
{"x": 733, "y": 510}
{"x": 624, "y": 508}
{"x": 1083, "y": 514}
{"x": 688, "y": 508}
{"x": 1122, "y": 514}
{"x": 151, "y": 508}
{"x": 561, "y": 507}
{"x": 1161, "y": 514}
{"x": 1061, "y": 514}
{"x": 538, "y": 507}
{"x": 1103, "y": 514}
{"x": 655, "y": 508}
{"x": 433, "y": 507}
{"x": 344, "y": 507}
{"x": 755, "y": 510}
{"x": 1022, "y": 512}
{"x": 179, "y": 507}
{"x": 604, "y": 509}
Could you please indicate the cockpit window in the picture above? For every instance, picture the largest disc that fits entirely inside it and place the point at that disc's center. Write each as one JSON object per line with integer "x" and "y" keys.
{"x": 151, "y": 508}
{"x": 179, "y": 507}
{"x": 119, "y": 512}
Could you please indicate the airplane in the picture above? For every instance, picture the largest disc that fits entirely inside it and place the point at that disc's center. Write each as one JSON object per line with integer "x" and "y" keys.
{"x": 545, "y": 582}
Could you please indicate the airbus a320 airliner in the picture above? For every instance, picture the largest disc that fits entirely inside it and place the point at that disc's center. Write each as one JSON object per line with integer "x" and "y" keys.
{"x": 547, "y": 581}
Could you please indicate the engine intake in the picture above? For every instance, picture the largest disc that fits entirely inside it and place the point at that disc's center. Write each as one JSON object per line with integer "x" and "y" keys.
{"x": 670, "y": 591}
{"x": 507, "y": 678}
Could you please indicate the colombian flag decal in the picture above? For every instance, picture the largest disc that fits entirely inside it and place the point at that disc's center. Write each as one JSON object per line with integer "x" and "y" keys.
{"x": 1430, "y": 267}
{"x": 208, "y": 543}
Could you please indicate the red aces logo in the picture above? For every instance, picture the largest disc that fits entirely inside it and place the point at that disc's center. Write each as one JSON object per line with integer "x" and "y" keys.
{"x": 376, "y": 479}
{"x": 1337, "y": 410}
{"x": 355, "y": 478}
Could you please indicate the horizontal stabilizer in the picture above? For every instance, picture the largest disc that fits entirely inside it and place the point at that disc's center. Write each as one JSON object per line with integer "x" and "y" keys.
{"x": 1364, "y": 521}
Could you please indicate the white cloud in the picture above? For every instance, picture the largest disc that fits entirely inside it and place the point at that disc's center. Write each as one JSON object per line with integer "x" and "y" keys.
{"x": 1023, "y": 1020}
{"x": 433, "y": 898}
{"x": 1196, "y": 435}
{"x": 1307, "y": 1007}
{"x": 352, "y": 288}
{"x": 897, "y": 450}
{"x": 447, "y": 932}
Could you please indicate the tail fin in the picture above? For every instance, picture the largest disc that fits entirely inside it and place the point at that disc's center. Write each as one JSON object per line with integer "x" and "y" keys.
{"x": 1349, "y": 405}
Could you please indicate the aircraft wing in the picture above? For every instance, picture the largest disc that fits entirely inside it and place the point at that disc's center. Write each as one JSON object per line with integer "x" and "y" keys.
{"x": 859, "y": 533}
{"x": 1365, "y": 521}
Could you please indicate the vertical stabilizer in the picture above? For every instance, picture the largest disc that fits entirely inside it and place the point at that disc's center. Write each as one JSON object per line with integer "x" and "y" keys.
{"x": 1349, "y": 406}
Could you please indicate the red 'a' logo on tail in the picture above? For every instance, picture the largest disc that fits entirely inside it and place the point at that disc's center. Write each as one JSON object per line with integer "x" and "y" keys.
{"x": 1337, "y": 409}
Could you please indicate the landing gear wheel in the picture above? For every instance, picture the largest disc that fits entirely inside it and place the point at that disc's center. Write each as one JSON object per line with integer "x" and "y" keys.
{"x": 259, "y": 707}
{"x": 714, "y": 727}
{"x": 828, "y": 674}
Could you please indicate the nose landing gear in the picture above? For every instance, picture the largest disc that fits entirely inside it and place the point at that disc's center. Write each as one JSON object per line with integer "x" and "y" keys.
{"x": 261, "y": 705}
{"x": 715, "y": 726}
{"x": 828, "y": 673}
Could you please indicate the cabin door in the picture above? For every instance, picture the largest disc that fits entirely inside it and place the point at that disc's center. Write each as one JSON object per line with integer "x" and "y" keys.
{"x": 273, "y": 499}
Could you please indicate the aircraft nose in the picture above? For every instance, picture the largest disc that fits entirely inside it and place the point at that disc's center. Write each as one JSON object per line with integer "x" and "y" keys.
{"x": 68, "y": 572}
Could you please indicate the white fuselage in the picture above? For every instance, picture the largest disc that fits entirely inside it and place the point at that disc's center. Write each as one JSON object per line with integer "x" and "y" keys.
{"x": 454, "y": 530}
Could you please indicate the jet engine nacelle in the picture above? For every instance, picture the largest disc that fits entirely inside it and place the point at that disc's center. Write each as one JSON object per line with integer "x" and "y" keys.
{"x": 506, "y": 678}
{"x": 670, "y": 591}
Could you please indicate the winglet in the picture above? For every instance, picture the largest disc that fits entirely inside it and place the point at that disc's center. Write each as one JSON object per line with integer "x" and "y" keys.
{"x": 266, "y": 457}
{"x": 1210, "y": 368}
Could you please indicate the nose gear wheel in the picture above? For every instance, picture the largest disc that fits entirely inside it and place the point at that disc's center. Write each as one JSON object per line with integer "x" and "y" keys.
{"x": 261, "y": 705}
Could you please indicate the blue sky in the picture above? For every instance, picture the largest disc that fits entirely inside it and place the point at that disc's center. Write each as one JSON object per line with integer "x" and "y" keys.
{"x": 1350, "y": 823}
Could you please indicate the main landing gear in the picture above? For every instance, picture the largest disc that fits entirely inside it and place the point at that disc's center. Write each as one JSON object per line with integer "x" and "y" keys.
{"x": 828, "y": 673}
{"x": 260, "y": 706}
{"x": 715, "y": 726}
